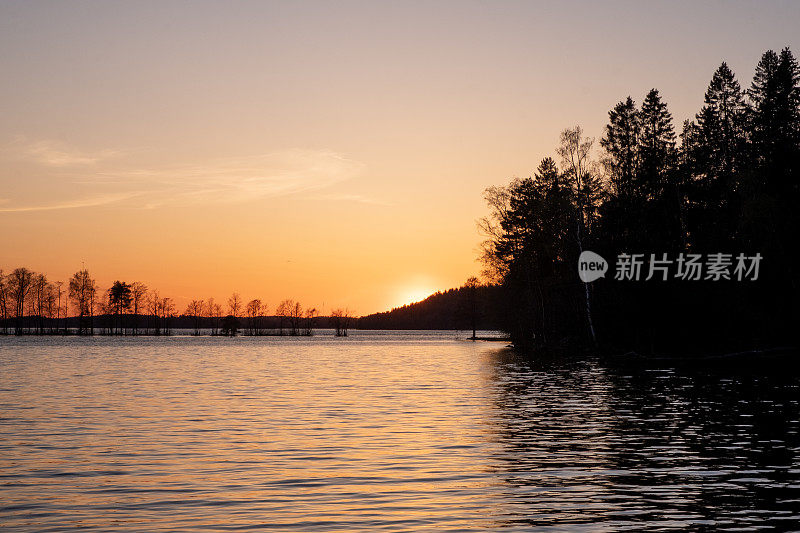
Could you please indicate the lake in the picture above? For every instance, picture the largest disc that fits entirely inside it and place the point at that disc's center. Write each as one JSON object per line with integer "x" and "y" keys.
{"x": 382, "y": 431}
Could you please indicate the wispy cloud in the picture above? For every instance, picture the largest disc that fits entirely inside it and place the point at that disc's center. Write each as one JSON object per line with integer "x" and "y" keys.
{"x": 57, "y": 154}
{"x": 236, "y": 179}
{"x": 212, "y": 181}
{"x": 70, "y": 204}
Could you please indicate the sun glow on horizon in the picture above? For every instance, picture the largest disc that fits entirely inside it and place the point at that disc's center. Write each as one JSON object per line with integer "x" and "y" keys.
{"x": 413, "y": 295}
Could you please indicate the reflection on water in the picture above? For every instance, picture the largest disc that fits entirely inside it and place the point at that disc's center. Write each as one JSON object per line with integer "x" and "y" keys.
{"x": 661, "y": 449}
{"x": 382, "y": 431}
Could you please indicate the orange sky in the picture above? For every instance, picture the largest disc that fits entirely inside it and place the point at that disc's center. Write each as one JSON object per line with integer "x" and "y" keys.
{"x": 333, "y": 152}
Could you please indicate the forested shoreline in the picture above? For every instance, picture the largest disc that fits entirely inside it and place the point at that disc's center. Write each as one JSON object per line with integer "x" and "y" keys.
{"x": 30, "y": 304}
{"x": 725, "y": 186}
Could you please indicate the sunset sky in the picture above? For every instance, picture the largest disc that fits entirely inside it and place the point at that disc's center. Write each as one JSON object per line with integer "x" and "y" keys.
{"x": 333, "y": 152}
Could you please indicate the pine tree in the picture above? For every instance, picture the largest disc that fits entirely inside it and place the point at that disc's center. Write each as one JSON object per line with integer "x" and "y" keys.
{"x": 621, "y": 143}
{"x": 656, "y": 146}
{"x": 717, "y": 152}
{"x": 769, "y": 217}
{"x": 763, "y": 95}
{"x": 690, "y": 146}
{"x": 555, "y": 212}
{"x": 658, "y": 179}
{"x": 775, "y": 129}
{"x": 722, "y": 124}
{"x": 787, "y": 118}
{"x": 775, "y": 120}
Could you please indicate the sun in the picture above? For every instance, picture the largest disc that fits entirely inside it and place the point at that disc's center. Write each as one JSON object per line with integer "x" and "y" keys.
{"x": 415, "y": 294}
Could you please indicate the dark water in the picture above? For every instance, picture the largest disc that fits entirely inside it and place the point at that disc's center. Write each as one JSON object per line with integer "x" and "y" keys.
{"x": 383, "y": 432}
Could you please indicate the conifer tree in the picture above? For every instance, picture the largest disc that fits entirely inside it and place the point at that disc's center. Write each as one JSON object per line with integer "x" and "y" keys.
{"x": 717, "y": 152}
{"x": 659, "y": 183}
{"x": 721, "y": 122}
{"x": 621, "y": 143}
{"x": 775, "y": 120}
{"x": 656, "y": 145}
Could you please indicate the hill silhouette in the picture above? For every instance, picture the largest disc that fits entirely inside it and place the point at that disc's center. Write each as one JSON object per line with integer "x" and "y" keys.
{"x": 451, "y": 309}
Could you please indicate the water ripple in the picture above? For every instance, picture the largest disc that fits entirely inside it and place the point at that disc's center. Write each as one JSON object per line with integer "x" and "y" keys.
{"x": 395, "y": 432}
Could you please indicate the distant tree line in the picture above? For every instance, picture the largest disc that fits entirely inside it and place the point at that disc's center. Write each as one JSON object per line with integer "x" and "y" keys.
{"x": 30, "y": 304}
{"x": 728, "y": 183}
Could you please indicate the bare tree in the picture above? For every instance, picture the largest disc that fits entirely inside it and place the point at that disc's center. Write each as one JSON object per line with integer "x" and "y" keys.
{"x": 261, "y": 319}
{"x": 284, "y": 311}
{"x": 168, "y": 312}
{"x": 210, "y": 309}
{"x": 138, "y": 302}
{"x": 217, "y": 313}
{"x": 295, "y": 317}
{"x": 66, "y": 311}
{"x": 234, "y": 304}
{"x": 92, "y": 304}
{"x": 195, "y": 311}
{"x": 341, "y": 321}
{"x": 39, "y": 288}
{"x": 253, "y": 310}
{"x": 51, "y": 306}
{"x": 575, "y": 153}
{"x": 154, "y": 308}
{"x": 19, "y": 287}
{"x": 4, "y": 297}
{"x": 82, "y": 290}
{"x": 59, "y": 293}
{"x": 310, "y": 315}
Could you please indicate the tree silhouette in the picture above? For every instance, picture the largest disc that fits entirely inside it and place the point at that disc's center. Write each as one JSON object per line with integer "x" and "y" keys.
{"x": 309, "y": 316}
{"x": 471, "y": 289}
{"x": 40, "y": 290}
{"x": 732, "y": 184}
{"x": 138, "y": 302}
{"x": 341, "y": 321}
{"x": 235, "y": 305}
{"x": 19, "y": 287}
{"x": 60, "y": 296}
{"x": 4, "y": 301}
{"x": 195, "y": 311}
{"x": 575, "y": 154}
{"x": 284, "y": 313}
{"x": 120, "y": 299}
{"x": 254, "y": 310}
{"x": 82, "y": 291}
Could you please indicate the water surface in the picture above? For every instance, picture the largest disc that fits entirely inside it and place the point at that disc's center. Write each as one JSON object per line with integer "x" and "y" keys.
{"x": 382, "y": 431}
